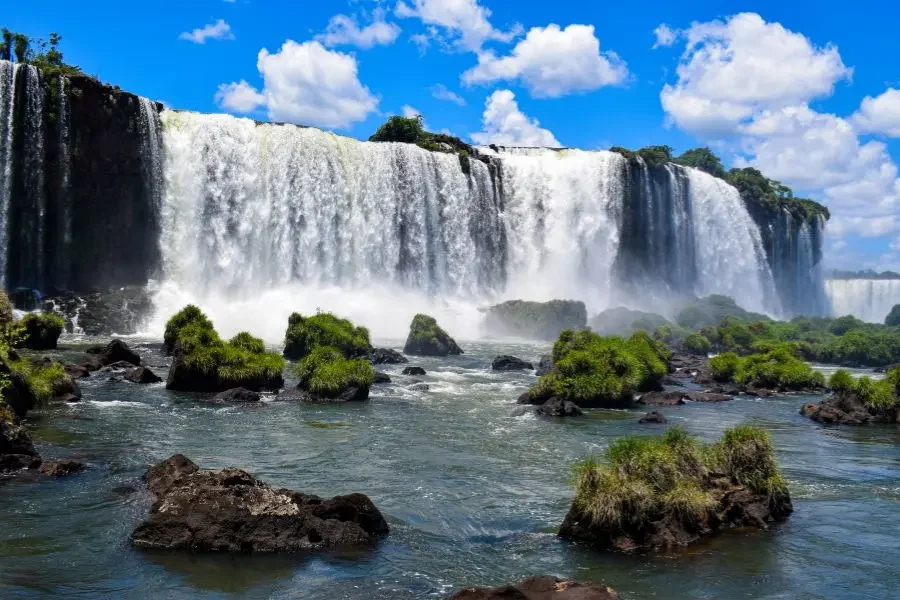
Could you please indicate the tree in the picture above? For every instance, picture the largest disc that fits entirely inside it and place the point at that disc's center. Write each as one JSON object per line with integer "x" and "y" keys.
{"x": 703, "y": 159}
{"x": 21, "y": 45}
{"x": 893, "y": 318}
{"x": 6, "y": 44}
{"x": 400, "y": 129}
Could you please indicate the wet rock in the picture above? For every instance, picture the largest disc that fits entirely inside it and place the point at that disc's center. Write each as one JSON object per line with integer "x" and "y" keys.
{"x": 386, "y": 356}
{"x": 61, "y": 468}
{"x": 231, "y": 511}
{"x": 115, "y": 351}
{"x": 18, "y": 395}
{"x": 847, "y": 409}
{"x": 117, "y": 366}
{"x": 426, "y": 338}
{"x": 76, "y": 371}
{"x": 680, "y": 397}
{"x": 557, "y": 407}
{"x": 186, "y": 377}
{"x": 382, "y": 377}
{"x": 653, "y": 417}
{"x": 142, "y": 375}
{"x": 237, "y": 394}
{"x": 540, "y": 588}
{"x": 121, "y": 310}
{"x": 419, "y": 387}
{"x": 68, "y": 398}
{"x": 510, "y": 363}
{"x": 350, "y": 394}
{"x": 16, "y": 448}
{"x": 545, "y": 365}
{"x": 413, "y": 371}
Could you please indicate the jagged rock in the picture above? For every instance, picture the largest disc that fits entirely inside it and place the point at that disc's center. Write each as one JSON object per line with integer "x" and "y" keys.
{"x": 61, "y": 468}
{"x": 237, "y": 394}
{"x": 544, "y": 366}
{"x": 115, "y": 351}
{"x": 847, "y": 409}
{"x": 680, "y": 397}
{"x": 540, "y": 588}
{"x": 557, "y": 407}
{"x": 510, "y": 363}
{"x": 142, "y": 375}
{"x": 386, "y": 356}
{"x": 120, "y": 310}
{"x": 653, "y": 417}
{"x": 382, "y": 377}
{"x": 231, "y": 511}
{"x": 419, "y": 387}
{"x": 426, "y": 338}
{"x": 414, "y": 371}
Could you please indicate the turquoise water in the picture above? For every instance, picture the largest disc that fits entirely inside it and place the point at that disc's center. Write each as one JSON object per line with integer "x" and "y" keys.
{"x": 473, "y": 487}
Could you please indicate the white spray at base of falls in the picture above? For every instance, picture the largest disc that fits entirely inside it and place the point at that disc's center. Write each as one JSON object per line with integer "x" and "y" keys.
{"x": 867, "y": 299}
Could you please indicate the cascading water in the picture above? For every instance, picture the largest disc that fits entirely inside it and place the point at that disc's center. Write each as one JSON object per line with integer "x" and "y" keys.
{"x": 62, "y": 275}
{"x": 151, "y": 152}
{"x": 32, "y": 212}
{"x": 7, "y": 102}
{"x": 867, "y": 299}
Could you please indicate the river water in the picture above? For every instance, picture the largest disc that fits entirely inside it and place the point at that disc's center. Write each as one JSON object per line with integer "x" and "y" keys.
{"x": 473, "y": 487}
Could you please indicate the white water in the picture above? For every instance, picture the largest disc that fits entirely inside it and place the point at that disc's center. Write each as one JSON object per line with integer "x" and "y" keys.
{"x": 65, "y": 175}
{"x": 151, "y": 147}
{"x": 7, "y": 98}
{"x": 34, "y": 159}
{"x": 868, "y": 299}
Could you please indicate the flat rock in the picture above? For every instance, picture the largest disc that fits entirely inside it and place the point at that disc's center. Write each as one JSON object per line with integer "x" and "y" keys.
{"x": 237, "y": 394}
{"x": 142, "y": 375}
{"x": 540, "y": 588}
{"x": 510, "y": 363}
{"x": 413, "y": 371}
{"x": 653, "y": 417}
{"x": 557, "y": 407}
{"x": 673, "y": 398}
{"x": 231, "y": 511}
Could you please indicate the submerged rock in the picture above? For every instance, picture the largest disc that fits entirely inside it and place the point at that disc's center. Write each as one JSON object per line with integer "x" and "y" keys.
{"x": 237, "y": 394}
{"x": 142, "y": 375}
{"x": 417, "y": 371}
{"x": 557, "y": 407}
{"x": 419, "y": 387}
{"x": 386, "y": 356}
{"x": 540, "y": 588}
{"x": 510, "y": 363}
{"x": 426, "y": 338}
{"x": 381, "y": 377}
{"x": 653, "y": 417}
{"x": 61, "y": 468}
{"x": 231, "y": 511}
{"x": 847, "y": 409}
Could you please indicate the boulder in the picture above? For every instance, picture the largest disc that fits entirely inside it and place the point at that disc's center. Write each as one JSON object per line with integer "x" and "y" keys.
{"x": 77, "y": 371}
{"x": 426, "y": 338}
{"x": 237, "y": 394}
{"x": 680, "y": 397}
{"x": 544, "y": 366}
{"x": 16, "y": 448}
{"x": 557, "y": 407}
{"x": 115, "y": 351}
{"x": 185, "y": 377}
{"x": 117, "y": 367}
{"x": 510, "y": 363}
{"x": 847, "y": 409}
{"x": 382, "y": 377}
{"x": 142, "y": 375}
{"x": 231, "y": 511}
{"x": 417, "y": 371}
{"x": 535, "y": 320}
{"x": 18, "y": 395}
{"x": 61, "y": 468}
{"x": 653, "y": 417}
{"x": 540, "y": 588}
{"x": 354, "y": 393}
{"x": 386, "y": 356}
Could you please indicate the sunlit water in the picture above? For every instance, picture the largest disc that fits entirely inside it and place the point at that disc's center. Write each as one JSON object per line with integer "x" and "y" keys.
{"x": 473, "y": 487}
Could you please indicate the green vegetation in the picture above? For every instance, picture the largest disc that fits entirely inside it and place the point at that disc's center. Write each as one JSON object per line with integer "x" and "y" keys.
{"x": 326, "y": 372}
{"x": 38, "y": 331}
{"x": 535, "y": 320}
{"x": 427, "y": 338}
{"x": 653, "y": 156}
{"x": 186, "y": 316}
{"x": 640, "y": 480}
{"x": 45, "y": 381}
{"x": 697, "y": 343}
{"x": 841, "y": 381}
{"x": 725, "y": 366}
{"x": 305, "y": 334}
{"x": 247, "y": 342}
{"x": 877, "y": 395}
{"x": 409, "y": 130}
{"x": 703, "y": 159}
{"x": 778, "y": 367}
{"x": 625, "y": 321}
{"x": 711, "y": 310}
{"x": 592, "y": 370}
{"x": 893, "y": 317}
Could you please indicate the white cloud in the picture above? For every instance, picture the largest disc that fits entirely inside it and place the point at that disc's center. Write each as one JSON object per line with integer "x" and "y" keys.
{"x": 465, "y": 22}
{"x": 421, "y": 41}
{"x": 441, "y": 92}
{"x": 343, "y": 29}
{"x": 410, "y": 111}
{"x": 504, "y": 124}
{"x": 552, "y": 62}
{"x": 304, "y": 83}
{"x": 880, "y": 114}
{"x": 220, "y": 30}
{"x": 733, "y": 69}
{"x": 665, "y": 36}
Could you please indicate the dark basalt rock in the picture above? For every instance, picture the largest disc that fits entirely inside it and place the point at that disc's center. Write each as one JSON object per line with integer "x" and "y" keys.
{"x": 386, "y": 356}
{"x": 413, "y": 371}
{"x": 680, "y": 397}
{"x": 419, "y": 387}
{"x": 142, "y": 375}
{"x": 653, "y": 417}
{"x": 114, "y": 352}
{"x": 351, "y": 394}
{"x": 426, "y": 338}
{"x": 117, "y": 367}
{"x": 231, "y": 511}
{"x": 61, "y": 468}
{"x": 16, "y": 448}
{"x": 382, "y": 377}
{"x": 540, "y": 588}
{"x": 557, "y": 407}
{"x": 121, "y": 310}
{"x": 544, "y": 366}
{"x": 510, "y": 363}
{"x": 847, "y": 409}
{"x": 185, "y": 378}
{"x": 237, "y": 394}
{"x": 77, "y": 371}
{"x": 17, "y": 395}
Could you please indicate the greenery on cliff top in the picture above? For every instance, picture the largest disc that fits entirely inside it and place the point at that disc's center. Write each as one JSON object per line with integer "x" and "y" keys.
{"x": 44, "y": 54}
{"x": 305, "y": 334}
{"x": 639, "y": 480}
{"x": 409, "y": 130}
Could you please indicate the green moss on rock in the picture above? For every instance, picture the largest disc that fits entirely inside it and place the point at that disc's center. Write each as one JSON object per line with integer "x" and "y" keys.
{"x": 186, "y": 316}
{"x": 328, "y": 376}
{"x": 426, "y": 338}
{"x": 38, "y": 331}
{"x": 305, "y": 334}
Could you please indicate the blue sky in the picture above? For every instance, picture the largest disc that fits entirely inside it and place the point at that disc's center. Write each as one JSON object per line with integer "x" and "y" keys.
{"x": 810, "y": 96}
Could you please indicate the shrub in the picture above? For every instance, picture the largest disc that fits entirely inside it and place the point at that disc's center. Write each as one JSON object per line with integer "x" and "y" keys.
{"x": 247, "y": 342}
{"x": 778, "y": 368}
{"x": 697, "y": 344}
{"x": 747, "y": 455}
{"x": 45, "y": 381}
{"x": 37, "y": 331}
{"x": 725, "y": 366}
{"x": 187, "y": 315}
{"x": 841, "y": 381}
{"x": 6, "y": 310}
{"x": 893, "y": 318}
{"x": 877, "y": 395}
{"x": 326, "y": 372}
{"x": 305, "y": 334}
{"x": 407, "y": 130}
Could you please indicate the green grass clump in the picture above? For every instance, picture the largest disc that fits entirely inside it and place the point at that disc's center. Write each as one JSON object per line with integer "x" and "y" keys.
{"x": 186, "y": 316}
{"x": 45, "y": 382}
{"x": 304, "y": 334}
{"x": 593, "y": 369}
{"x": 247, "y": 342}
{"x": 877, "y": 395}
{"x": 779, "y": 367}
{"x": 696, "y": 343}
{"x": 746, "y": 454}
{"x": 425, "y": 328}
{"x": 326, "y": 372}
{"x": 6, "y": 310}
{"x": 38, "y": 331}
{"x": 841, "y": 381}
{"x": 725, "y": 366}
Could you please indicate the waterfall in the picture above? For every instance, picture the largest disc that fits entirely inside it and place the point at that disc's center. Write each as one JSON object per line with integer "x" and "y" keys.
{"x": 7, "y": 101}
{"x": 151, "y": 151}
{"x": 63, "y": 244}
{"x": 867, "y": 299}
{"x": 33, "y": 214}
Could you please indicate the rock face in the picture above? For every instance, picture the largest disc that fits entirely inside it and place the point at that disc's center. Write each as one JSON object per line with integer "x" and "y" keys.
{"x": 557, "y": 407}
{"x": 680, "y": 397}
{"x": 510, "y": 363}
{"x": 61, "y": 468}
{"x": 16, "y": 448}
{"x": 119, "y": 310}
{"x": 417, "y": 371}
{"x": 544, "y": 366}
{"x": 386, "y": 356}
{"x": 540, "y": 588}
{"x": 231, "y": 511}
{"x": 847, "y": 409}
{"x": 535, "y": 320}
{"x": 426, "y": 338}
{"x": 142, "y": 375}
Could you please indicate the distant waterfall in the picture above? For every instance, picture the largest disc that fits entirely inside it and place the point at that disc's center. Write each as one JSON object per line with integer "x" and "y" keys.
{"x": 7, "y": 102}
{"x": 867, "y": 299}
{"x": 64, "y": 231}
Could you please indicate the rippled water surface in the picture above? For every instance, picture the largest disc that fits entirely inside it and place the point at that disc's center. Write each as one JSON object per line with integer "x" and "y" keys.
{"x": 473, "y": 487}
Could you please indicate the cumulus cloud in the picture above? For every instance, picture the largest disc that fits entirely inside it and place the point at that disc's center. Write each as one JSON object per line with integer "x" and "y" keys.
{"x": 733, "y": 69}
{"x": 504, "y": 124}
{"x": 665, "y": 36}
{"x": 345, "y": 30}
{"x": 552, "y": 62}
{"x": 441, "y": 92}
{"x": 410, "y": 111}
{"x": 880, "y": 114}
{"x": 464, "y": 22}
{"x": 220, "y": 30}
{"x": 304, "y": 83}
